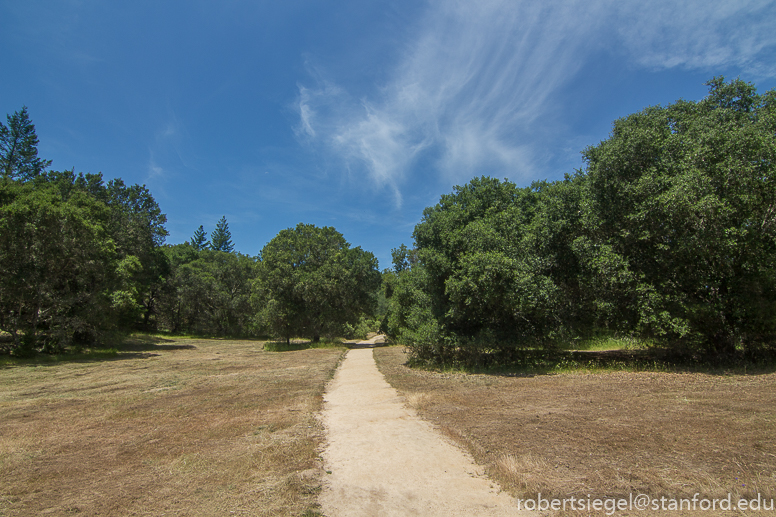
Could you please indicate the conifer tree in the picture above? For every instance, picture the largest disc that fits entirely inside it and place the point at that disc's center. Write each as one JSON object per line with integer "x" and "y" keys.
{"x": 199, "y": 239}
{"x": 19, "y": 148}
{"x": 221, "y": 238}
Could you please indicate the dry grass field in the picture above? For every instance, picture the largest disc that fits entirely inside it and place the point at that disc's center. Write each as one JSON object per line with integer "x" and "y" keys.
{"x": 167, "y": 427}
{"x": 221, "y": 427}
{"x": 606, "y": 433}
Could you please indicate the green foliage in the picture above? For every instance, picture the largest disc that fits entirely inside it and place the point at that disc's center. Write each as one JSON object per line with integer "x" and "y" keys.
{"x": 221, "y": 238}
{"x": 19, "y": 148}
{"x": 364, "y": 327}
{"x": 57, "y": 266}
{"x": 605, "y": 340}
{"x": 403, "y": 258}
{"x": 207, "y": 292}
{"x": 668, "y": 234}
{"x": 79, "y": 258}
{"x": 124, "y": 299}
{"x": 199, "y": 239}
{"x": 136, "y": 226}
{"x": 311, "y": 283}
{"x": 484, "y": 283}
{"x": 681, "y": 198}
{"x": 410, "y": 317}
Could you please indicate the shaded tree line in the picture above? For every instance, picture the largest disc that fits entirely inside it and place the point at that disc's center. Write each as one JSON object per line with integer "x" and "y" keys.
{"x": 78, "y": 257}
{"x": 306, "y": 282}
{"x": 668, "y": 233}
{"x": 207, "y": 292}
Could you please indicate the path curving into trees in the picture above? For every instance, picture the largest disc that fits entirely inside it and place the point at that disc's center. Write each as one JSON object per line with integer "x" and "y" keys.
{"x": 384, "y": 460}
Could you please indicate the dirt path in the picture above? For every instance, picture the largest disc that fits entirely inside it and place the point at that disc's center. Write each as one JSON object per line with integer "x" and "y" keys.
{"x": 386, "y": 461}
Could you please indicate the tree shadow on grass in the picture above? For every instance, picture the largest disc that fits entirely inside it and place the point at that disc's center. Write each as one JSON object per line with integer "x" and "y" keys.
{"x": 91, "y": 356}
{"x": 151, "y": 344}
{"x": 530, "y": 362}
{"x": 135, "y": 347}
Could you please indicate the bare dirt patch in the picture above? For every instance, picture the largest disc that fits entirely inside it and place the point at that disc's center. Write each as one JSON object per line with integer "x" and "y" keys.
{"x": 607, "y": 434}
{"x": 184, "y": 427}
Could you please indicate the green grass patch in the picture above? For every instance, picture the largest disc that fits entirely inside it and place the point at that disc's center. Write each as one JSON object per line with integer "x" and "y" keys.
{"x": 164, "y": 335}
{"x": 606, "y": 342}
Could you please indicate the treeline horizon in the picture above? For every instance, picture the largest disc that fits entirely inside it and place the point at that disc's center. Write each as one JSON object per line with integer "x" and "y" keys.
{"x": 667, "y": 234}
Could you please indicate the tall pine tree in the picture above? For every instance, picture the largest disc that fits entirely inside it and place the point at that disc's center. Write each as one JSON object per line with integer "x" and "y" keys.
{"x": 199, "y": 239}
{"x": 19, "y": 148}
{"x": 221, "y": 238}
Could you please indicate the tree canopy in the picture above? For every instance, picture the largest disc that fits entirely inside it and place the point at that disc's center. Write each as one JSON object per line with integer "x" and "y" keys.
{"x": 19, "y": 148}
{"x": 81, "y": 257}
{"x": 199, "y": 239}
{"x": 221, "y": 238}
{"x": 58, "y": 263}
{"x": 683, "y": 199}
{"x": 207, "y": 292}
{"x": 668, "y": 233}
{"x": 310, "y": 282}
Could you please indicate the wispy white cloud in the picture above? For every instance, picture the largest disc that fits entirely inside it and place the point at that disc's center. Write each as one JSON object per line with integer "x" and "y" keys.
{"x": 164, "y": 152}
{"x": 154, "y": 170}
{"x": 306, "y": 113}
{"x": 474, "y": 89}
{"x": 700, "y": 34}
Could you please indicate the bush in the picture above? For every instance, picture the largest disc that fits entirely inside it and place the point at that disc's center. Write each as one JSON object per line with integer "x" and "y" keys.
{"x": 363, "y": 328}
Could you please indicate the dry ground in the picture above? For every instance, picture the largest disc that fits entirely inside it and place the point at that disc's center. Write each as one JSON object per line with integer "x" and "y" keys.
{"x": 605, "y": 434}
{"x": 183, "y": 427}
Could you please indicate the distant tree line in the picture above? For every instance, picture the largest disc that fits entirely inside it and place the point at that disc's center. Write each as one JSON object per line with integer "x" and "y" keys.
{"x": 668, "y": 233}
{"x": 81, "y": 259}
{"x": 306, "y": 282}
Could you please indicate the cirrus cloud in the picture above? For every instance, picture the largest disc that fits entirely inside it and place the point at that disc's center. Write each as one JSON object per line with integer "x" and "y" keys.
{"x": 473, "y": 89}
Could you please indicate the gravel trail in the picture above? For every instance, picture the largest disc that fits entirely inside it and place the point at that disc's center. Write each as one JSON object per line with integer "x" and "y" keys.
{"x": 385, "y": 461}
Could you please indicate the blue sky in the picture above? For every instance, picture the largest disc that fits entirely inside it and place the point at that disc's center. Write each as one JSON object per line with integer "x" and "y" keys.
{"x": 352, "y": 114}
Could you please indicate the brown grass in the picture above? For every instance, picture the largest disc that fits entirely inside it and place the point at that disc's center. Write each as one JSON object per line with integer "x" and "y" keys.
{"x": 183, "y": 427}
{"x": 606, "y": 434}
